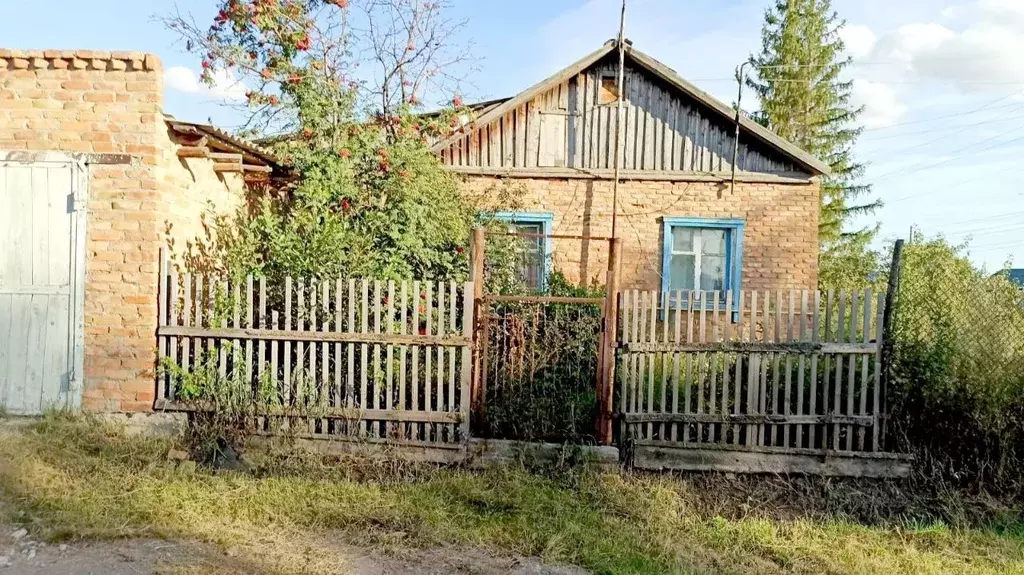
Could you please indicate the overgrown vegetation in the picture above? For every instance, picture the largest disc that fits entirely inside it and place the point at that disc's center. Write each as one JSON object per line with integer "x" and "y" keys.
{"x": 958, "y": 373}
{"x": 69, "y": 479}
{"x": 541, "y": 368}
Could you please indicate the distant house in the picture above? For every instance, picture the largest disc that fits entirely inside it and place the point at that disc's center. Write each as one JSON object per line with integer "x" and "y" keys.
{"x": 1015, "y": 275}
{"x": 682, "y": 227}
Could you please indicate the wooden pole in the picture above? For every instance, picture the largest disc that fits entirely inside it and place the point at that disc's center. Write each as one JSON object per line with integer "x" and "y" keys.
{"x": 887, "y": 336}
{"x": 476, "y": 275}
{"x": 606, "y": 389}
{"x": 618, "y": 116}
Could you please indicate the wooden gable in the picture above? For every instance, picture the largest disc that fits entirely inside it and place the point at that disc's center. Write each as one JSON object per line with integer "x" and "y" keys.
{"x": 570, "y": 123}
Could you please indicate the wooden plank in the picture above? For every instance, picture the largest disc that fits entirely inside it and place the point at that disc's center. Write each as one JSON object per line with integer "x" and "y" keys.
{"x": 788, "y": 389}
{"x": 851, "y": 378}
{"x": 662, "y": 405}
{"x": 200, "y": 305}
{"x": 339, "y": 311}
{"x": 261, "y": 348}
{"x": 403, "y": 306}
{"x": 626, "y": 364}
{"x": 450, "y": 406}
{"x": 223, "y": 289}
{"x": 837, "y": 384}
{"x": 713, "y": 360}
{"x": 172, "y": 320}
{"x": 726, "y": 361}
{"x": 815, "y": 338}
{"x": 773, "y": 433}
{"x": 367, "y": 338}
{"x": 364, "y": 351}
{"x": 324, "y": 390}
{"x": 249, "y": 304}
{"x": 466, "y": 376}
{"x": 652, "y": 336}
{"x": 762, "y": 391}
{"x": 638, "y": 307}
{"x": 738, "y": 375}
{"x": 311, "y": 379}
{"x": 415, "y": 328}
{"x": 428, "y": 374}
{"x": 725, "y": 461}
{"x": 802, "y": 335}
{"x": 186, "y": 320}
{"x": 752, "y": 370}
{"x": 688, "y": 392}
{"x": 544, "y": 299}
{"x": 161, "y": 320}
{"x": 770, "y": 418}
{"x": 876, "y": 437}
{"x": 350, "y": 328}
{"x": 389, "y": 361}
{"x": 275, "y": 320}
{"x": 642, "y": 361}
{"x": 288, "y": 383}
{"x": 355, "y": 414}
{"x": 439, "y": 399}
{"x": 748, "y": 347}
{"x": 701, "y": 359}
{"x": 866, "y": 333}
{"x": 676, "y": 338}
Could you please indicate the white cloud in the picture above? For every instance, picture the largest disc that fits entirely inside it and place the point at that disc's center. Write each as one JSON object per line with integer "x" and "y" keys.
{"x": 225, "y": 86}
{"x": 859, "y": 40}
{"x": 881, "y": 106}
{"x": 978, "y": 52}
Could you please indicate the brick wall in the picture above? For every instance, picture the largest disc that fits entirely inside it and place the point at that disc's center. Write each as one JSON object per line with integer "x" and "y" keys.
{"x": 780, "y": 248}
{"x": 109, "y": 103}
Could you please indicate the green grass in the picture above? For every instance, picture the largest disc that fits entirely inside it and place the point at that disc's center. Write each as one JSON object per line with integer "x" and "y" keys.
{"x": 67, "y": 478}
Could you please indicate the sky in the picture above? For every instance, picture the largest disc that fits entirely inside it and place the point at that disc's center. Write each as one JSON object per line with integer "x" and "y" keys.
{"x": 942, "y": 83}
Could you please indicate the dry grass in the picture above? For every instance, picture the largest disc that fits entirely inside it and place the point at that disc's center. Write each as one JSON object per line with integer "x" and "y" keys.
{"x": 69, "y": 478}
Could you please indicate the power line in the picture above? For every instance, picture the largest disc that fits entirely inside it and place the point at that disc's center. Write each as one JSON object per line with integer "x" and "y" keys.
{"x": 870, "y": 140}
{"x": 925, "y": 165}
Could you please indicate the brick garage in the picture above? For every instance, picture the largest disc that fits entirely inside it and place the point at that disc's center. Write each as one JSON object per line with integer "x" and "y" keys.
{"x": 780, "y": 239}
{"x": 104, "y": 109}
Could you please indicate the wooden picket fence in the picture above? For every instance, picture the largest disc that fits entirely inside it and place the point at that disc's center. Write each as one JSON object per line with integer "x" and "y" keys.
{"x": 375, "y": 359}
{"x": 792, "y": 371}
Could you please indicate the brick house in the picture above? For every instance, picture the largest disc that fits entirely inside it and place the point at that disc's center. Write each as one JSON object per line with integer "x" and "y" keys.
{"x": 94, "y": 179}
{"x": 682, "y": 223}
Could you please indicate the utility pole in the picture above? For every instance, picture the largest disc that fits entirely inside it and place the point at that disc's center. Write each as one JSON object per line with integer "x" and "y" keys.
{"x": 618, "y": 117}
{"x": 736, "y": 136}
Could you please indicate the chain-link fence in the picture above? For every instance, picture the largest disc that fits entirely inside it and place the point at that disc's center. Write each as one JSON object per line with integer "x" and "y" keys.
{"x": 957, "y": 374}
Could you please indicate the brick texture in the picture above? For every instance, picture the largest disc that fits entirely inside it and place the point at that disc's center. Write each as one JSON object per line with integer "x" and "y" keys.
{"x": 110, "y": 102}
{"x": 780, "y": 247}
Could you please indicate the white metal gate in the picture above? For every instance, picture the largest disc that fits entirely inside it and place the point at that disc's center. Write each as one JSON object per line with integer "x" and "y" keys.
{"x": 42, "y": 267}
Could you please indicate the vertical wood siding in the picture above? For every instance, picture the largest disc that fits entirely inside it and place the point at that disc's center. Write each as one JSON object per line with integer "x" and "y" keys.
{"x": 567, "y": 127}
{"x": 36, "y": 291}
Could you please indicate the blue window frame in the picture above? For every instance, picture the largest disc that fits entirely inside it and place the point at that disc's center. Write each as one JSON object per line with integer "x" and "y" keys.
{"x": 702, "y": 254}
{"x": 536, "y": 264}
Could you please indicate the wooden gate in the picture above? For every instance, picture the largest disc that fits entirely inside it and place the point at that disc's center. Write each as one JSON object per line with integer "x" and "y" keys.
{"x": 339, "y": 358}
{"x": 42, "y": 267}
{"x": 706, "y": 376}
{"x": 545, "y": 362}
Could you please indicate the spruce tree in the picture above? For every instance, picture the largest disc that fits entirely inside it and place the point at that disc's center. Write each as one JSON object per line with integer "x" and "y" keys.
{"x": 797, "y": 76}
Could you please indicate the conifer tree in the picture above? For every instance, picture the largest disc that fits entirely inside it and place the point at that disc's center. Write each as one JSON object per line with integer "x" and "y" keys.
{"x": 803, "y": 98}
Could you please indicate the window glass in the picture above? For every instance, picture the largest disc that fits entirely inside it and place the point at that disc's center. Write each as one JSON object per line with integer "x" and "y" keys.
{"x": 532, "y": 264}
{"x": 681, "y": 272}
{"x": 682, "y": 239}
{"x": 712, "y": 273}
{"x": 712, "y": 242}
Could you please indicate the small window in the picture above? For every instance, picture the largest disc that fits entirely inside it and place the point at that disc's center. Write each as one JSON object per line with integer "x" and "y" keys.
{"x": 702, "y": 255}
{"x": 609, "y": 90}
{"x": 536, "y": 259}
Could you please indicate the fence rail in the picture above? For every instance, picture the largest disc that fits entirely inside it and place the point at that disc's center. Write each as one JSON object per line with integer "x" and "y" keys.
{"x": 793, "y": 369}
{"x": 339, "y": 357}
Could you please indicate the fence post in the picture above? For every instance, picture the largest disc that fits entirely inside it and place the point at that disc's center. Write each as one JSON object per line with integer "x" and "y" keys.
{"x": 606, "y": 387}
{"x": 476, "y": 275}
{"x": 887, "y": 337}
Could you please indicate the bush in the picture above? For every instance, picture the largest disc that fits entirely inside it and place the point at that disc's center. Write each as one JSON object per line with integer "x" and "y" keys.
{"x": 957, "y": 388}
